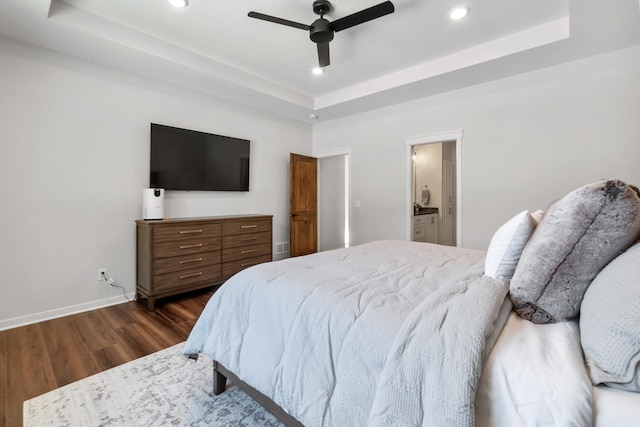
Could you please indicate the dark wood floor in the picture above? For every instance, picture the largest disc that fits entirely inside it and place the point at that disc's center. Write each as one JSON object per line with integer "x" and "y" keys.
{"x": 38, "y": 358}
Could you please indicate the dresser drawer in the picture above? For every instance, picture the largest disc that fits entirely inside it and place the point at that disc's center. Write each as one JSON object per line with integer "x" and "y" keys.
{"x": 180, "y": 279}
{"x": 246, "y": 227}
{"x": 186, "y": 247}
{"x": 232, "y": 267}
{"x": 239, "y": 240}
{"x": 245, "y": 252}
{"x": 186, "y": 262}
{"x": 186, "y": 232}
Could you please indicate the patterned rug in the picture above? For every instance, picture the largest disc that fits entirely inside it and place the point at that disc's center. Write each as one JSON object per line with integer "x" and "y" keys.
{"x": 164, "y": 388}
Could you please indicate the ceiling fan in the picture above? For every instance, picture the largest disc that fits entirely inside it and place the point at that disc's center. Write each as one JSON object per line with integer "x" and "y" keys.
{"x": 321, "y": 31}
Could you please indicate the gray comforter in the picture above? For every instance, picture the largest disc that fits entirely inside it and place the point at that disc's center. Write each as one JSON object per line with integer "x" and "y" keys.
{"x": 387, "y": 333}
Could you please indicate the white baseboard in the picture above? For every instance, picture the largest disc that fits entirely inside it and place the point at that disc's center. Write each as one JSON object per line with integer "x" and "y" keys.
{"x": 61, "y": 312}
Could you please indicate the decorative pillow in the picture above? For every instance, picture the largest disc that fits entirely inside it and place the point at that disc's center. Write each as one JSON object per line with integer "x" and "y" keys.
{"x": 537, "y": 216}
{"x": 610, "y": 323}
{"x": 507, "y": 244}
{"x": 577, "y": 237}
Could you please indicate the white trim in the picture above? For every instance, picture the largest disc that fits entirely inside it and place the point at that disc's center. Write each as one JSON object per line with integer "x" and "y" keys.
{"x": 61, "y": 312}
{"x": 435, "y": 137}
{"x": 540, "y": 35}
{"x": 347, "y": 200}
{"x": 330, "y": 153}
{"x": 455, "y": 135}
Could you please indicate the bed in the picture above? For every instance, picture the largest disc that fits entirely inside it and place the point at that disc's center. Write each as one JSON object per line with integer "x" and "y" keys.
{"x": 395, "y": 333}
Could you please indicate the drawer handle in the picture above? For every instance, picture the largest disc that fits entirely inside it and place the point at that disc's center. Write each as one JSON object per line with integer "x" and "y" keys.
{"x": 195, "y": 245}
{"x": 190, "y": 231}
{"x": 248, "y": 264}
{"x": 186, "y": 276}
{"x": 248, "y": 251}
{"x": 186, "y": 261}
{"x": 248, "y": 238}
{"x": 249, "y": 226}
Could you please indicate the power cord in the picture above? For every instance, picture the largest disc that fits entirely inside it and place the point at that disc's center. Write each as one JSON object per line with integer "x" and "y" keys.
{"x": 113, "y": 283}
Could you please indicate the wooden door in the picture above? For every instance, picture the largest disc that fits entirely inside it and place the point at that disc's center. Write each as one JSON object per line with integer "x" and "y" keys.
{"x": 303, "y": 205}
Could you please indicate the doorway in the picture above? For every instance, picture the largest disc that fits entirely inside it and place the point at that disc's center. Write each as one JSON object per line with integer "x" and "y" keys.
{"x": 434, "y": 202}
{"x": 334, "y": 223}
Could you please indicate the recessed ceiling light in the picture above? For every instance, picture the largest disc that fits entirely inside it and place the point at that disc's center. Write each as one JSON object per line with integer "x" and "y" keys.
{"x": 459, "y": 12}
{"x": 317, "y": 71}
{"x": 179, "y": 3}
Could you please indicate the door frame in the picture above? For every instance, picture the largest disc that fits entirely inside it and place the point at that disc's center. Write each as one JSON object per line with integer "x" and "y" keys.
{"x": 455, "y": 135}
{"x": 344, "y": 151}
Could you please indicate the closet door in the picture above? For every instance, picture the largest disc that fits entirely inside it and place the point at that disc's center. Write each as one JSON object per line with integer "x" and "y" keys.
{"x": 303, "y": 198}
{"x": 448, "y": 205}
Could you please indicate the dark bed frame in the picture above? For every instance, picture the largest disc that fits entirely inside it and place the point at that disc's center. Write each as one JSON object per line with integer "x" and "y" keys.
{"x": 220, "y": 376}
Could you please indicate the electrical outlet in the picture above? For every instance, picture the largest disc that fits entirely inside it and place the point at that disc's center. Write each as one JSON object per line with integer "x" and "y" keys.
{"x": 102, "y": 274}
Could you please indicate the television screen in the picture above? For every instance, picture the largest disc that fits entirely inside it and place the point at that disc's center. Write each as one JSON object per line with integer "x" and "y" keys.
{"x": 184, "y": 159}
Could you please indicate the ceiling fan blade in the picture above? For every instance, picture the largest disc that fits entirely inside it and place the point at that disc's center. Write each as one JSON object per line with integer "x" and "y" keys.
{"x": 278, "y": 20}
{"x": 363, "y": 16}
{"x": 323, "y": 54}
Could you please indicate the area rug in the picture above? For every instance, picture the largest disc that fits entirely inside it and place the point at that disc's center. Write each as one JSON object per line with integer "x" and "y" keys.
{"x": 164, "y": 388}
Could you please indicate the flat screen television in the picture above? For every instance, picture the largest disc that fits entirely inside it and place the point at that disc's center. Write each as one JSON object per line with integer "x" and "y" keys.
{"x": 183, "y": 159}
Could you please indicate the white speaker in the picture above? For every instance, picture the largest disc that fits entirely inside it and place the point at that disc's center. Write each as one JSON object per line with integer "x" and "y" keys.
{"x": 153, "y": 203}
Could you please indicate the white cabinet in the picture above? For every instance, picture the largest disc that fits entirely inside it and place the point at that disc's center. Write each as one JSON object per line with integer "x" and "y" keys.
{"x": 425, "y": 228}
{"x": 419, "y": 229}
{"x": 431, "y": 228}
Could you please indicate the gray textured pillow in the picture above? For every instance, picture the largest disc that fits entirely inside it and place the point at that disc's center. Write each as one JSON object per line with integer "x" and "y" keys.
{"x": 610, "y": 323}
{"x": 577, "y": 237}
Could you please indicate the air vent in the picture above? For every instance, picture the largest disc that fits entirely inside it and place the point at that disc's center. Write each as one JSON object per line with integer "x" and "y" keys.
{"x": 282, "y": 247}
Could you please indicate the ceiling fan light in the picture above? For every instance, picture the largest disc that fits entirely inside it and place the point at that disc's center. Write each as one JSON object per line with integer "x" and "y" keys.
{"x": 317, "y": 71}
{"x": 459, "y": 12}
{"x": 179, "y": 3}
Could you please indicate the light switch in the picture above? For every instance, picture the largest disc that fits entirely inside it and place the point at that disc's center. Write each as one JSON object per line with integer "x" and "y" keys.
{"x": 357, "y": 204}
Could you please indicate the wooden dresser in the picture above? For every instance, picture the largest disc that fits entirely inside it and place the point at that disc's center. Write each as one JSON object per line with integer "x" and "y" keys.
{"x": 184, "y": 254}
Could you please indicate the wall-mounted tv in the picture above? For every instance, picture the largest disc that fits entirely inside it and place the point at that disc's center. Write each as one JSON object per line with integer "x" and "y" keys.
{"x": 183, "y": 159}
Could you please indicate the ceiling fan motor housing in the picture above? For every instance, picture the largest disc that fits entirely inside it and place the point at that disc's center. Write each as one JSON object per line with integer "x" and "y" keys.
{"x": 321, "y": 31}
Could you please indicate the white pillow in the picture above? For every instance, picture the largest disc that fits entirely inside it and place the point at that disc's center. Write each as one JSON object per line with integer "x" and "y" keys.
{"x": 507, "y": 244}
{"x": 610, "y": 323}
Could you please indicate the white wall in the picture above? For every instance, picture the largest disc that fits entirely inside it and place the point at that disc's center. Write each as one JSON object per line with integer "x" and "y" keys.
{"x": 74, "y": 158}
{"x": 527, "y": 140}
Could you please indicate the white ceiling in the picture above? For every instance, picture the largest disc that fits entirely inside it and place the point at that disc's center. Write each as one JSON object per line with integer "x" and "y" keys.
{"x": 213, "y": 47}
